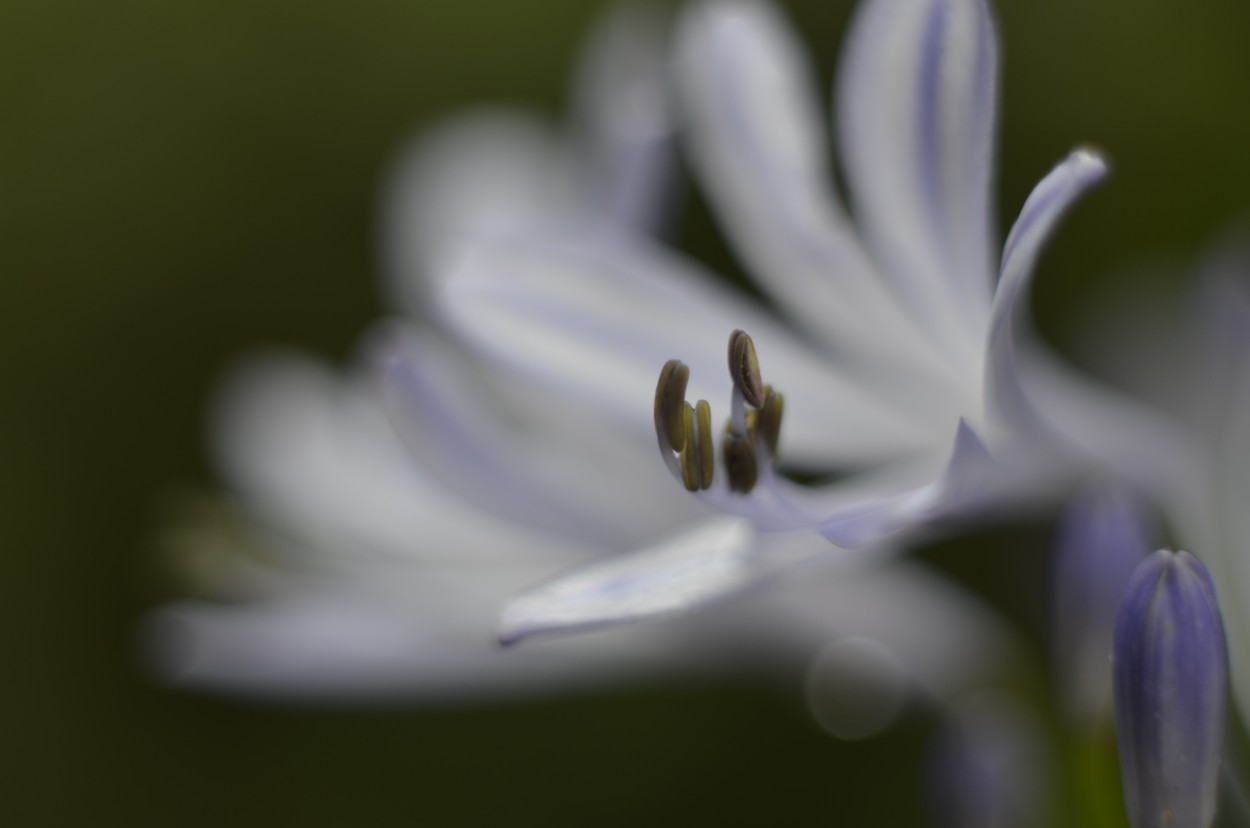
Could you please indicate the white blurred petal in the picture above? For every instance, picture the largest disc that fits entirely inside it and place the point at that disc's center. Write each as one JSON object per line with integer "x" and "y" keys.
{"x": 709, "y": 561}
{"x": 599, "y": 322}
{"x": 1009, "y": 326}
{"x": 350, "y": 643}
{"x": 759, "y": 145}
{"x": 627, "y": 169}
{"x": 483, "y": 173}
{"x": 558, "y": 471}
{"x": 316, "y": 453}
{"x": 1116, "y": 432}
{"x": 916, "y": 110}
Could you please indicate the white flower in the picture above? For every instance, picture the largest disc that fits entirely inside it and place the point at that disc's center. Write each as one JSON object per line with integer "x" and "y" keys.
{"x": 897, "y": 354}
{"x": 383, "y": 572}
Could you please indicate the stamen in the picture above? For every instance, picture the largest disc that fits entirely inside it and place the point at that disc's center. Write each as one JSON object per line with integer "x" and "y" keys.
{"x": 767, "y": 424}
{"x": 670, "y": 396}
{"x": 691, "y": 462}
{"x": 707, "y": 455}
{"x": 740, "y": 468}
{"x": 751, "y": 433}
{"x": 744, "y": 368}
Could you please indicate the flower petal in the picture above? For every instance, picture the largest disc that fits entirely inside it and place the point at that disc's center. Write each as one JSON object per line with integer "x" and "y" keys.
{"x": 1045, "y": 206}
{"x": 760, "y": 147}
{"x": 707, "y": 562}
{"x": 316, "y": 455}
{"x": 916, "y": 108}
{"x": 623, "y": 135}
{"x": 599, "y": 322}
{"x": 969, "y": 478}
{"x": 482, "y": 173}
{"x": 549, "y": 465}
{"x": 424, "y": 638}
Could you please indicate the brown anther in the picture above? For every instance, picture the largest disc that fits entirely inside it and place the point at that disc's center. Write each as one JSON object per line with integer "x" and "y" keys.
{"x": 739, "y": 455}
{"x": 691, "y": 463}
{"x": 744, "y": 368}
{"x": 670, "y": 396}
{"x": 707, "y": 454}
{"x": 768, "y": 423}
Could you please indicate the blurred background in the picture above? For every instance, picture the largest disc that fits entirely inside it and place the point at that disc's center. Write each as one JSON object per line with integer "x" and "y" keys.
{"x": 181, "y": 183}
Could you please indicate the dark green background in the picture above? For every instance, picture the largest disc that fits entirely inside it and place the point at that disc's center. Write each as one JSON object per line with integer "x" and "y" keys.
{"x": 183, "y": 182}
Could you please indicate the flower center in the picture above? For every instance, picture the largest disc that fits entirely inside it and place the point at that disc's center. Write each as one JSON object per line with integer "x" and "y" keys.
{"x": 684, "y": 432}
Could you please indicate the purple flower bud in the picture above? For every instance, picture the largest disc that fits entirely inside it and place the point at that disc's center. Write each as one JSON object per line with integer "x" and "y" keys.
{"x": 1170, "y": 688}
{"x": 1103, "y": 536}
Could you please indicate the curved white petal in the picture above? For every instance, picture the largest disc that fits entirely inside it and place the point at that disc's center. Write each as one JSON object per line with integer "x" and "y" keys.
{"x": 484, "y": 172}
{"x": 1009, "y": 329}
{"x": 426, "y": 639}
{"x": 916, "y": 107}
{"x": 548, "y": 465}
{"x": 316, "y": 455}
{"x": 761, "y": 149}
{"x": 1110, "y": 430}
{"x": 600, "y": 321}
{"x": 860, "y": 510}
{"x": 969, "y": 479}
{"x": 709, "y": 561}
{"x": 623, "y": 135}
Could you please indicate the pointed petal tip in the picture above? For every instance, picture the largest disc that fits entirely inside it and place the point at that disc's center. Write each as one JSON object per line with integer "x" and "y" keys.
{"x": 708, "y": 561}
{"x": 1090, "y": 161}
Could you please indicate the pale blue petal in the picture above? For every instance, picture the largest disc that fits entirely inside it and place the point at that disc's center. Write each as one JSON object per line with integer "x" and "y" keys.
{"x": 710, "y": 561}
{"x": 482, "y": 173}
{"x": 600, "y": 321}
{"x": 623, "y": 142}
{"x": 526, "y": 457}
{"x": 422, "y": 637}
{"x": 313, "y": 453}
{"x": 1046, "y": 205}
{"x": 968, "y": 480}
{"x": 861, "y": 510}
{"x": 916, "y": 106}
{"x": 756, "y": 139}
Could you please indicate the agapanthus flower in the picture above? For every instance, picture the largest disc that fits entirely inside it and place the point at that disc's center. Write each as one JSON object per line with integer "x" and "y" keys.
{"x": 898, "y": 337}
{"x": 1171, "y": 690}
{"x": 386, "y": 554}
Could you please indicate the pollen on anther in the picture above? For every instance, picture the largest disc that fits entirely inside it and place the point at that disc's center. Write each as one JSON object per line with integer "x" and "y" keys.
{"x": 670, "y": 396}
{"x": 768, "y": 424}
{"x": 744, "y": 368}
{"x": 707, "y": 454}
{"x": 691, "y": 462}
{"x": 740, "y": 467}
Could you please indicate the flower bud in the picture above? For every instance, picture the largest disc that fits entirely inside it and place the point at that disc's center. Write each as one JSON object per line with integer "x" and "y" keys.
{"x": 1170, "y": 681}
